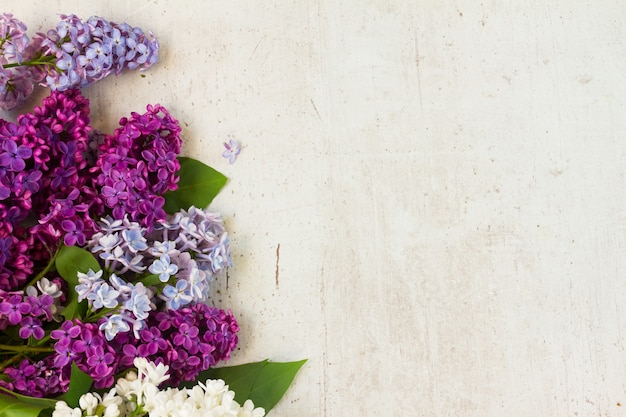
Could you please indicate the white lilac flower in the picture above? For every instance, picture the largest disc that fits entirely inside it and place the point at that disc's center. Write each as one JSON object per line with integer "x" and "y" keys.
{"x": 113, "y": 325}
{"x": 164, "y": 248}
{"x": 103, "y": 296}
{"x": 114, "y": 405}
{"x": 88, "y": 283}
{"x": 139, "y": 302}
{"x": 135, "y": 240}
{"x": 163, "y": 268}
{"x": 106, "y": 243}
{"x": 61, "y": 409}
{"x": 153, "y": 374}
{"x": 89, "y": 402}
{"x": 138, "y": 394}
{"x": 50, "y": 288}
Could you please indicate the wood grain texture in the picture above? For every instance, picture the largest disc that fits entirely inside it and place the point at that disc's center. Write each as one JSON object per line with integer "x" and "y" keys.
{"x": 430, "y": 202}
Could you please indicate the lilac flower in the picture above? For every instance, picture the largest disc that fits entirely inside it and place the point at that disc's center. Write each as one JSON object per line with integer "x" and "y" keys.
{"x": 187, "y": 336}
{"x": 30, "y": 326}
{"x": 88, "y": 283}
{"x": 139, "y": 302}
{"x": 13, "y": 156}
{"x": 114, "y": 324}
{"x": 73, "y": 232}
{"x": 65, "y": 354}
{"x": 14, "y": 307}
{"x": 41, "y": 306}
{"x": 152, "y": 342}
{"x": 99, "y": 360}
{"x": 103, "y": 296}
{"x": 135, "y": 240}
{"x": 177, "y": 296}
{"x": 220, "y": 254}
{"x": 66, "y": 333}
{"x": 198, "y": 285}
{"x": 105, "y": 244}
{"x": 233, "y": 148}
{"x": 163, "y": 268}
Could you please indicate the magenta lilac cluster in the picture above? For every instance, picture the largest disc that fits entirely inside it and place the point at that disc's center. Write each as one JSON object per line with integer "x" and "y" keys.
{"x": 45, "y": 189}
{"x": 74, "y": 54}
{"x": 137, "y": 165}
{"x": 62, "y": 185}
{"x": 188, "y": 341}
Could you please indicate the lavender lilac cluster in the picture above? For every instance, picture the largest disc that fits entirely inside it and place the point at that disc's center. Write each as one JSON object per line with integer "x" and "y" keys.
{"x": 74, "y": 54}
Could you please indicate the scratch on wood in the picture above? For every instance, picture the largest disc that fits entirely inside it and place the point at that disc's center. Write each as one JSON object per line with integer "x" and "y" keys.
{"x": 277, "y": 260}
{"x": 417, "y": 67}
{"x": 315, "y": 108}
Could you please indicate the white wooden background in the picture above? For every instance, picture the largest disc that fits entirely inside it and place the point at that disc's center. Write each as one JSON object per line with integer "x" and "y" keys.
{"x": 430, "y": 204}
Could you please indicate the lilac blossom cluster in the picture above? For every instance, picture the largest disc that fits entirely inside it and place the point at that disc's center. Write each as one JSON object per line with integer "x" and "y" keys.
{"x": 53, "y": 183}
{"x": 184, "y": 252}
{"x": 16, "y": 80}
{"x": 45, "y": 188}
{"x": 189, "y": 341}
{"x": 88, "y": 51}
{"x": 64, "y": 185}
{"x": 74, "y": 54}
{"x": 138, "y": 164}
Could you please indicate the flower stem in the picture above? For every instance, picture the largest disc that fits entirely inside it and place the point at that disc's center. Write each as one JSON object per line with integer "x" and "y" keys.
{"x": 44, "y": 271}
{"x": 24, "y": 348}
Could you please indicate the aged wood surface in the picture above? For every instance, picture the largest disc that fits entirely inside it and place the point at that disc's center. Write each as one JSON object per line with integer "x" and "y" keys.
{"x": 430, "y": 203}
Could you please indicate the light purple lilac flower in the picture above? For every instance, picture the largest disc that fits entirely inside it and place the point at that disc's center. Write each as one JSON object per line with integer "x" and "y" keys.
{"x": 233, "y": 149}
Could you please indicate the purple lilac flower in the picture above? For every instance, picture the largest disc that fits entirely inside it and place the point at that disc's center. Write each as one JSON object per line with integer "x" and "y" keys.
{"x": 13, "y": 156}
{"x": 142, "y": 155}
{"x": 233, "y": 149}
{"x": 14, "y": 308}
{"x": 88, "y": 51}
{"x": 30, "y": 326}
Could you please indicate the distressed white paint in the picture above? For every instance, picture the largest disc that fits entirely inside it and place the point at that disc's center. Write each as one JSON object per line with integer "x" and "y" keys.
{"x": 445, "y": 181}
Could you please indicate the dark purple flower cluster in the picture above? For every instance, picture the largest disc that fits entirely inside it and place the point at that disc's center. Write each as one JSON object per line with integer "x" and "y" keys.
{"x": 39, "y": 378}
{"x": 88, "y": 51}
{"x": 138, "y": 164}
{"x": 45, "y": 187}
{"x": 57, "y": 176}
{"x": 75, "y": 54}
{"x": 189, "y": 341}
{"x": 28, "y": 312}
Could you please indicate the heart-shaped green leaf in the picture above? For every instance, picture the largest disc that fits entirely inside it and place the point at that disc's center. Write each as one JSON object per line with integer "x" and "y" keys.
{"x": 263, "y": 382}
{"x": 198, "y": 186}
{"x": 69, "y": 261}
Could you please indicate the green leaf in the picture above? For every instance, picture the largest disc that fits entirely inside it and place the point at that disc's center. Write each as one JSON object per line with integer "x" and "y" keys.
{"x": 198, "y": 186}
{"x": 80, "y": 383}
{"x": 152, "y": 279}
{"x": 263, "y": 382}
{"x": 23, "y": 406}
{"x": 69, "y": 261}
